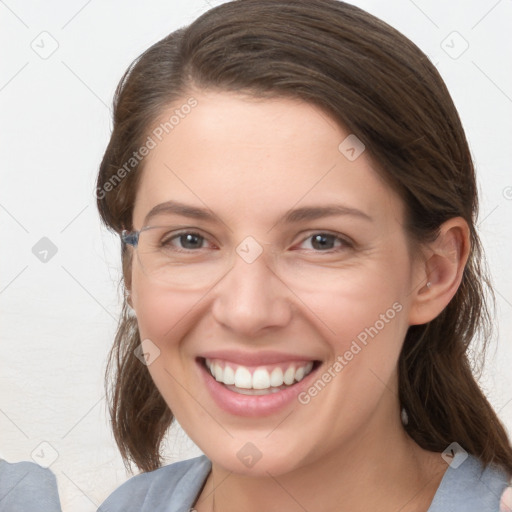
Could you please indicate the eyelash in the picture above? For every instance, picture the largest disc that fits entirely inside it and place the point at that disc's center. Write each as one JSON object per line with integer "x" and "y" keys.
{"x": 346, "y": 243}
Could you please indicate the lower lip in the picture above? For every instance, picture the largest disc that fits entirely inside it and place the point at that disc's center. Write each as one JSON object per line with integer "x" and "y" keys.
{"x": 252, "y": 405}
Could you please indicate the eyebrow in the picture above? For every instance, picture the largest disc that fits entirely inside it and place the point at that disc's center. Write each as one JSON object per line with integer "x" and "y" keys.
{"x": 290, "y": 217}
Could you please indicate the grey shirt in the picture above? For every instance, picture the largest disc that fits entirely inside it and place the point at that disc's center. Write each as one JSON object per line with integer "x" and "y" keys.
{"x": 175, "y": 488}
{"x": 27, "y": 487}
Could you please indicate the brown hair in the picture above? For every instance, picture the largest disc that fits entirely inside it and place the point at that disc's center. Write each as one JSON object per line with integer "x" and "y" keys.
{"x": 382, "y": 88}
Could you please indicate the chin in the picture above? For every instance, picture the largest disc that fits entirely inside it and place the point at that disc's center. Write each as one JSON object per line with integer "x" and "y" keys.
{"x": 255, "y": 459}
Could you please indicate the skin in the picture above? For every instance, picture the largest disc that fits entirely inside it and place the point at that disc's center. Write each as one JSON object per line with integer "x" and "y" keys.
{"x": 250, "y": 161}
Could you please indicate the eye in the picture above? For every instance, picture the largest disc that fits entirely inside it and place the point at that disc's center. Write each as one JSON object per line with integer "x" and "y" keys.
{"x": 324, "y": 242}
{"x": 186, "y": 240}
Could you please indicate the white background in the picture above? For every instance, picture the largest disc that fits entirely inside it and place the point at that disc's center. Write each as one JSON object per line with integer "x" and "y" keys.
{"x": 58, "y": 318}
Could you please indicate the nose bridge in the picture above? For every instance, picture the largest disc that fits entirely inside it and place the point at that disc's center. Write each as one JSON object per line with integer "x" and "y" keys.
{"x": 250, "y": 296}
{"x": 251, "y": 271}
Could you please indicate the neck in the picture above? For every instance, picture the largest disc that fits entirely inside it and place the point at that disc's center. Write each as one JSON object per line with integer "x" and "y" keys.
{"x": 382, "y": 469}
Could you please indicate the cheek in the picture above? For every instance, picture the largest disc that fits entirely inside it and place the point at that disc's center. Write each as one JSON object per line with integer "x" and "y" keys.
{"x": 164, "y": 317}
{"x": 365, "y": 342}
{"x": 363, "y": 303}
{"x": 365, "y": 319}
{"x": 160, "y": 312}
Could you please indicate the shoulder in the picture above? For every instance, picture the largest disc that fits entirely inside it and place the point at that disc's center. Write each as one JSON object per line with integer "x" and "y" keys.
{"x": 151, "y": 491}
{"x": 470, "y": 488}
{"x": 27, "y": 486}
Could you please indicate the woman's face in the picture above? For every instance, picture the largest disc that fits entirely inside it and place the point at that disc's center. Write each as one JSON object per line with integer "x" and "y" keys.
{"x": 271, "y": 294}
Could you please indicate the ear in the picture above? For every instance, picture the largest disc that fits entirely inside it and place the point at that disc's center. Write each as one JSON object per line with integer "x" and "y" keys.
{"x": 442, "y": 266}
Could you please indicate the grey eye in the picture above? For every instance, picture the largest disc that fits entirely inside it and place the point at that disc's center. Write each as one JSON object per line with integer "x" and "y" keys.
{"x": 190, "y": 240}
{"x": 323, "y": 241}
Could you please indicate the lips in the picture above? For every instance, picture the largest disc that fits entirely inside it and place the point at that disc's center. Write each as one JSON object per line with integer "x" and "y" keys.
{"x": 253, "y": 391}
{"x": 258, "y": 358}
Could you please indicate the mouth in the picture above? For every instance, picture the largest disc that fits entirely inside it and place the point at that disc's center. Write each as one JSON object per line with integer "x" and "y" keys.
{"x": 260, "y": 380}
{"x": 261, "y": 390}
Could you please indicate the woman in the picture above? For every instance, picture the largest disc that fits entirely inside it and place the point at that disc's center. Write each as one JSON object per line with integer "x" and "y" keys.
{"x": 297, "y": 202}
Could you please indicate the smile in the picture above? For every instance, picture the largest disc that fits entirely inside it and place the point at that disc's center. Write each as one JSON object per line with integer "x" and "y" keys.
{"x": 258, "y": 387}
{"x": 258, "y": 380}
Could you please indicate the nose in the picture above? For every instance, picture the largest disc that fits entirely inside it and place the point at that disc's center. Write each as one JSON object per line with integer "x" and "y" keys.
{"x": 251, "y": 298}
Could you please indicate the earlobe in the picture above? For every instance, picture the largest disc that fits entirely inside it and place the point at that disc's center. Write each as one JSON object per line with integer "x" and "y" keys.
{"x": 440, "y": 273}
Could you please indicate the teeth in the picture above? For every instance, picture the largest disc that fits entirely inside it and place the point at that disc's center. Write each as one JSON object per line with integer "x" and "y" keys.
{"x": 243, "y": 378}
{"x": 276, "y": 377}
{"x": 260, "y": 379}
{"x": 289, "y": 375}
{"x": 217, "y": 372}
{"x": 229, "y": 375}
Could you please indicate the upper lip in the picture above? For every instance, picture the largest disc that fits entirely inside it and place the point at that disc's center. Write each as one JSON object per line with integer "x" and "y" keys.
{"x": 255, "y": 359}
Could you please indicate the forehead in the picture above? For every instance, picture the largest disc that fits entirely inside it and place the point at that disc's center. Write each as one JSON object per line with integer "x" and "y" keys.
{"x": 239, "y": 155}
